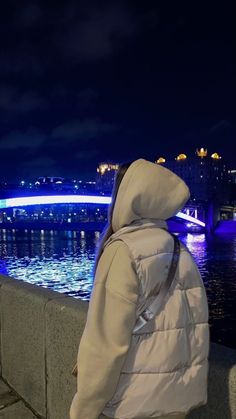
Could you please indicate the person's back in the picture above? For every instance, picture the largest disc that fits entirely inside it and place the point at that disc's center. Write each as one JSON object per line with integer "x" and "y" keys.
{"x": 165, "y": 370}
{"x": 160, "y": 371}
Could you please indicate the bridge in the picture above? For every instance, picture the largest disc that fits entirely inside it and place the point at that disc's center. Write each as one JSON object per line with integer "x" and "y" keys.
{"x": 189, "y": 214}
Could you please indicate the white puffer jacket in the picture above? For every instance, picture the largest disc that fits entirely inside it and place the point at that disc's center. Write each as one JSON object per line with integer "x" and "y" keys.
{"x": 163, "y": 368}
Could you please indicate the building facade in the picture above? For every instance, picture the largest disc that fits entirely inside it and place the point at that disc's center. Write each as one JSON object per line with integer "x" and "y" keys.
{"x": 105, "y": 177}
{"x": 206, "y": 175}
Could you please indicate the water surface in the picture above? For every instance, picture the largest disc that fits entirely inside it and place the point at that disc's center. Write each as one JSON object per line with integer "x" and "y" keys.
{"x": 63, "y": 261}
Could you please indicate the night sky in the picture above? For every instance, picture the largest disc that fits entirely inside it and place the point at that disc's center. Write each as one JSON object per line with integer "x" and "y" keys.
{"x": 86, "y": 82}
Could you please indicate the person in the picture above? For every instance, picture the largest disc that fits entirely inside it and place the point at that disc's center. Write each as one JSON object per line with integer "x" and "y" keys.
{"x": 162, "y": 370}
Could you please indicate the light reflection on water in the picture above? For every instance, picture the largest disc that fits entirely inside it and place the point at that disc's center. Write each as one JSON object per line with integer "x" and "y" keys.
{"x": 63, "y": 261}
{"x": 215, "y": 256}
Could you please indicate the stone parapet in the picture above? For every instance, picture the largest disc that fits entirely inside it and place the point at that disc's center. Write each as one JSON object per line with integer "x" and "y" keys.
{"x": 40, "y": 334}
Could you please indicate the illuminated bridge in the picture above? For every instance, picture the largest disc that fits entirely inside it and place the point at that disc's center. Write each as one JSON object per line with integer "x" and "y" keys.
{"x": 189, "y": 214}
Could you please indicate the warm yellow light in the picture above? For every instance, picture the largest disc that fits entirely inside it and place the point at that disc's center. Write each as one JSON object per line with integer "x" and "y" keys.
{"x": 103, "y": 167}
{"x": 215, "y": 156}
{"x": 161, "y": 160}
{"x": 181, "y": 157}
{"x": 202, "y": 152}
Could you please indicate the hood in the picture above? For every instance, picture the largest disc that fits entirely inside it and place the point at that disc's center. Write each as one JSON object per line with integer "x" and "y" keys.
{"x": 148, "y": 190}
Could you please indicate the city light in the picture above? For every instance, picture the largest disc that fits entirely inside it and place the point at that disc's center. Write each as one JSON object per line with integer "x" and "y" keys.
{"x": 181, "y": 157}
{"x": 161, "y": 160}
{"x": 215, "y": 156}
{"x": 202, "y": 152}
{"x": 103, "y": 167}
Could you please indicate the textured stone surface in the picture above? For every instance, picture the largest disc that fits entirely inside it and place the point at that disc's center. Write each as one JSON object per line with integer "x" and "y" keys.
{"x": 65, "y": 320}
{"x": 23, "y": 340}
{"x": 17, "y": 411}
{"x": 41, "y": 331}
{"x": 3, "y": 280}
{"x": 222, "y": 386}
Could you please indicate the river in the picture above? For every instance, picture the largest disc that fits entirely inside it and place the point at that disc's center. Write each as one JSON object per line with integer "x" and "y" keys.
{"x": 63, "y": 261}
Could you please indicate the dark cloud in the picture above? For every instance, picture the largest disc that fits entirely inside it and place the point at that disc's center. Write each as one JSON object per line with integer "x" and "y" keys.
{"x": 13, "y": 99}
{"x": 82, "y": 130}
{"x": 69, "y": 132}
{"x": 86, "y": 155}
{"x": 87, "y": 98}
{"x": 29, "y": 15}
{"x": 59, "y": 152}
{"x": 21, "y": 60}
{"x": 97, "y": 34}
{"x": 16, "y": 139}
{"x": 222, "y": 125}
{"x": 46, "y": 33}
{"x": 39, "y": 166}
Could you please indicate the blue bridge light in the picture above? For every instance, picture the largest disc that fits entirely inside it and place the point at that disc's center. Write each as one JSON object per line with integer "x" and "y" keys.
{"x": 54, "y": 199}
{"x": 75, "y": 199}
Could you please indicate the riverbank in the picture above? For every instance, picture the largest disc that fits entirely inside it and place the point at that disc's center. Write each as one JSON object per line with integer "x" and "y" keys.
{"x": 222, "y": 226}
{"x": 47, "y": 225}
{"x": 175, "y": 226}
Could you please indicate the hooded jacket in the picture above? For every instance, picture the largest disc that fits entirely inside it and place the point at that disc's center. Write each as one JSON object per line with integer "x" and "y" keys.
{"x": 161, "y": 369}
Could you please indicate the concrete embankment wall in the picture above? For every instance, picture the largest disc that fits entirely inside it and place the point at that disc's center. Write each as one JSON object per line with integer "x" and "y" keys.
{"x": 40, "y": 334}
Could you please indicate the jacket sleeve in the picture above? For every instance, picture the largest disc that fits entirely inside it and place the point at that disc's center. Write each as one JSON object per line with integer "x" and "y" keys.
{"x": 107, "y": 334}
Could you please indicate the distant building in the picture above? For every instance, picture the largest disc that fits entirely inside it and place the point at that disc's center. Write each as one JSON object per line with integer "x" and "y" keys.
{"x": 105, "y": 177}
{"x": 232, "y": 174}
{"x": 53, "y": 182}
{"x": 206, "y": 175}
{"x": 65, "y": 185}
{"x": 48, "y": 180}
